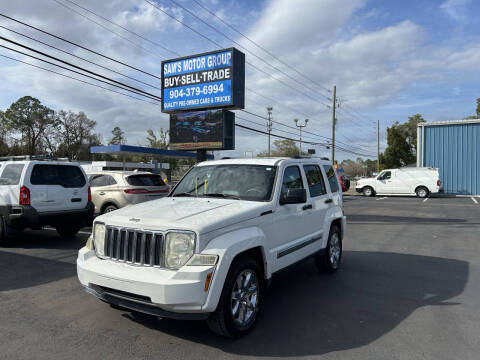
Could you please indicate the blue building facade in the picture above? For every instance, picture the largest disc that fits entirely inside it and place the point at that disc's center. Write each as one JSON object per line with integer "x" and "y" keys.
{"x": 454, "y": 148}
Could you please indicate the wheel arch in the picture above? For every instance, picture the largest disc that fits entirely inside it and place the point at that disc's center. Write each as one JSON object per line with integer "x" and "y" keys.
{"x": 229, "y": 247}
{"x": 108, "y": 203}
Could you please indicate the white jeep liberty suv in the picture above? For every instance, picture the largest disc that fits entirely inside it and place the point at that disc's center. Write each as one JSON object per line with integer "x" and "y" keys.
{"x": 208, "y": 250}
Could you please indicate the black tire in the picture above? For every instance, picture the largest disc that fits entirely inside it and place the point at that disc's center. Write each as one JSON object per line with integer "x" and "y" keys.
{"x": 368, "y": 191}
{"x": 222, "y": 321}
{"x": 67, "y": 231}
{"x": 109, "y": 208}
{"x": 422, "y": 192}
{"x": 327, "y": 262}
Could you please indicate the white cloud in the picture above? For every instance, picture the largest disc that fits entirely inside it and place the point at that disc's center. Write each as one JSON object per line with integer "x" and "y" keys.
{"x": 456, "y": 9}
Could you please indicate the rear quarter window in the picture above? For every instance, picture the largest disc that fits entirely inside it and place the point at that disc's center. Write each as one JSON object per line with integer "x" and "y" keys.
{"x": 332, "y": 177}
{"x": 67, "y": 176}
{"x": 145, "y": 180}
{"x": 11, "y": 174}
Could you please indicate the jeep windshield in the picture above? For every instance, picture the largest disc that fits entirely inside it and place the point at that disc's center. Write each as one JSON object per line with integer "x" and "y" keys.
{"x": 238, "y": 182}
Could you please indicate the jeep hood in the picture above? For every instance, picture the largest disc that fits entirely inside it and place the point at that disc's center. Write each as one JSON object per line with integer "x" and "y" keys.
{"x": 185, "y": 213}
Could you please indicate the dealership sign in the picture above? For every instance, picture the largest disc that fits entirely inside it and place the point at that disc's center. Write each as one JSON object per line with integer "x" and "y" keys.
{"x": 205, "y": 81}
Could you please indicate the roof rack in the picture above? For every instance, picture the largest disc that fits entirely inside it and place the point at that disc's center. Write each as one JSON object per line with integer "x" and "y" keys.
{"x": 45, "y": 157}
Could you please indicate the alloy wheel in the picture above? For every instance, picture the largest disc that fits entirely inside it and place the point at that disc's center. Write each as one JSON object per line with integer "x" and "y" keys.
{"x": 334, "y": 250}
{"x": 244, "y": 299}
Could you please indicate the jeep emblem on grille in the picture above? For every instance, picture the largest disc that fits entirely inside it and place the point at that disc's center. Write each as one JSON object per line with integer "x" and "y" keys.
{"x": 134, "y": 220}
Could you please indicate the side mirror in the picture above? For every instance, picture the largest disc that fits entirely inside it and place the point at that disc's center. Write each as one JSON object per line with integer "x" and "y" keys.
{"x": 294, "y": 196}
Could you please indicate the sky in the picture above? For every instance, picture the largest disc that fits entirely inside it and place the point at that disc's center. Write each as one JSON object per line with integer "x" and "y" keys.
{"x": 388, "y": 60}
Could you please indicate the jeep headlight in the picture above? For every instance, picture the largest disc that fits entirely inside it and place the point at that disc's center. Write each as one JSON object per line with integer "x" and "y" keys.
{"x": 179, "y": 248}
{"x": 99, "y": 239}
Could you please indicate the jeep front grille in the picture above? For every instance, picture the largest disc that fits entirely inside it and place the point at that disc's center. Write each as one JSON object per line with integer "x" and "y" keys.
{"x": 134, "y": 246}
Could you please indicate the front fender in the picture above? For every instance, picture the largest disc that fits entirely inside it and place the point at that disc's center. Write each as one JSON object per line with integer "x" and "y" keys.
{"x": 227, "y": 246}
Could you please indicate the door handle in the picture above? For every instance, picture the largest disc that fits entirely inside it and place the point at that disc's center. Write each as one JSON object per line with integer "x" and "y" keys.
{"x": 328, "y": 201}
{"x": 307, "y": 207}
{"x": 101, "y": 193}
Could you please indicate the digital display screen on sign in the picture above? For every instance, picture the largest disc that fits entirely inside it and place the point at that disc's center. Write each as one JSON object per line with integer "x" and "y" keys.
{"x": 210, "y": 129}
{"x": 205, "y": 81}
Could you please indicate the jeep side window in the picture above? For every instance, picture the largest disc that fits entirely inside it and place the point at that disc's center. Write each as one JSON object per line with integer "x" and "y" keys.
{"x": 316, "y": 185}
{"x": 332, "y": 178}
{"x": 11, "y": 174}
{"x": 385, "y": 175}
{"x": 292, "y": 179}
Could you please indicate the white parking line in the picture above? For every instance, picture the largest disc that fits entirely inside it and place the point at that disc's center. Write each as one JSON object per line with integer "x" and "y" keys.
{"x": 474, "y": 200}
{"x": 382, "y": 198}
{"x": 425, "y": 200}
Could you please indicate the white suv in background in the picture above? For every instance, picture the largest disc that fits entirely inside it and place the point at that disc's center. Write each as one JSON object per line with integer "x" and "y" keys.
{"x": 208, "y": 250}
{"x": 35, "y": 193}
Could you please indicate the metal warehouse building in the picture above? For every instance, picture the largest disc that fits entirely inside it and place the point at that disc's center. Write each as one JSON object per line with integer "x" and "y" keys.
{"x": 454, "y": 148}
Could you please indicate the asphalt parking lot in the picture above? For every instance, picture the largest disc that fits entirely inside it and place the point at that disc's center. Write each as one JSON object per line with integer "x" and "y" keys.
{"x": 409, "y": 288}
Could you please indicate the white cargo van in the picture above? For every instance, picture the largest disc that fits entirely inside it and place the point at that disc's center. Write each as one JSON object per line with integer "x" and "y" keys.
{"x": 405, "y": 181}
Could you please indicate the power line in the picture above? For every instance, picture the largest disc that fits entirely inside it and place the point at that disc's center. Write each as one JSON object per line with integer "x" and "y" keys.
{"x": 124, "y": 28}
{"x": 74, "y": 71}
{"x": 110, "y": 30}
{"x": 80, "y": 46}
{"x": 306, "y": 142}
{"x": 259, "y": 46}
{"x": 81, "y": 58}
{"x": 221, "y": 46}
{"x": 241, "y": 46}
{"x": 80, "y": 68}
{"x": 82, "y": 81}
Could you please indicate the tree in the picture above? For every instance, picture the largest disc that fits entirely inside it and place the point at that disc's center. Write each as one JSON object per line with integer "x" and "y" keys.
{"x": 71, "y": 134}
{"x": 285, "y": 147}
{"x": 477, "y": 110}
{"x": 30, "y": 118}
{"x": 118, "y": 137}
{"x": 160, "y": 142}
{"x": 3, "y": 135}
{"x": 398, "y": 152}
{"x": 409, "y": 130}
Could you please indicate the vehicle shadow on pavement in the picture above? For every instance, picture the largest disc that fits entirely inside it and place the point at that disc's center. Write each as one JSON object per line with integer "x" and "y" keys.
{"x": 22, "y": 271}
{"x": 311, "y": 314}
{"x": 47, "y": 239}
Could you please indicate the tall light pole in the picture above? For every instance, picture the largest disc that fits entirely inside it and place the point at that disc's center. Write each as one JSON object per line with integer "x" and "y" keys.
{"x": 269, "y": 126}
{"x": 301, "y": 127}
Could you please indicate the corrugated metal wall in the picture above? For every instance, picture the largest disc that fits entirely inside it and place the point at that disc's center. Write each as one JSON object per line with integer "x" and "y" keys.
{"x": 455, "y": 150}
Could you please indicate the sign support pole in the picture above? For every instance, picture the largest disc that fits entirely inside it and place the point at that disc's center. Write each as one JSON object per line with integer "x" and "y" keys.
{"x": 201, "y": 155}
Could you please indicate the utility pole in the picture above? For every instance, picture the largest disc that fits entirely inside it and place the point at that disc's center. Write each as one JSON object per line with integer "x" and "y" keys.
{"x": 378, "y": 146}
{"x": 269, "y": 126}
{"x": 334, "y": 100}
{"x": 301, "y": 127}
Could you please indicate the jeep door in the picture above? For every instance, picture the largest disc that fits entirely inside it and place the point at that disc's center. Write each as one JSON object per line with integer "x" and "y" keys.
{"x": 318, "y": 202}
{"x": 289, "y": 222}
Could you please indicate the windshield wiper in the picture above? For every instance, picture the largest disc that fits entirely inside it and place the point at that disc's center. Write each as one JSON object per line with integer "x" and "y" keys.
{"x": 220, "y": 195}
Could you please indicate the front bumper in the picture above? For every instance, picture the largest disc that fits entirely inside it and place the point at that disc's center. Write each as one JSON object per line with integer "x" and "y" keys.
{"x": 358, "y": 190}
{"x": 157, "y": 291}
